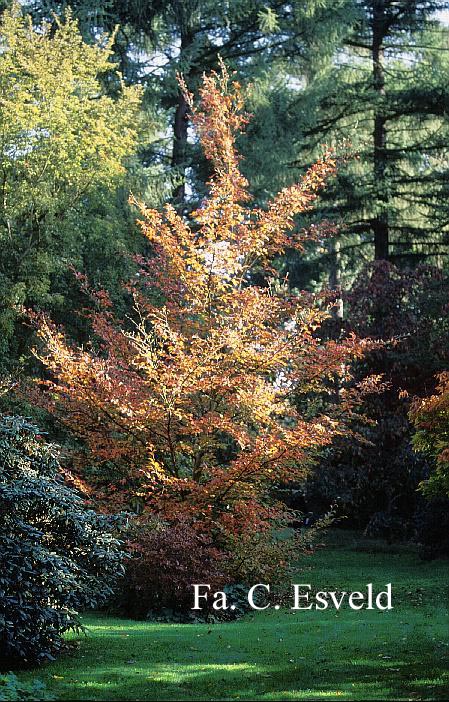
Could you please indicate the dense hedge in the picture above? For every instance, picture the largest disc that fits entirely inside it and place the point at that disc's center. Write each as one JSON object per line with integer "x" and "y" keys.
{"x": 56, "y": 556}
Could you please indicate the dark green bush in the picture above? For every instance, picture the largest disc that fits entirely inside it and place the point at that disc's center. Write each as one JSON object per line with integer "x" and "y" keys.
{"x": 56, "y": 556}
{"x": 432, "y": 525}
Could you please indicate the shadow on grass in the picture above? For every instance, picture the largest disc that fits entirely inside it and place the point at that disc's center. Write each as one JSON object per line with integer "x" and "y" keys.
{"x": 183, "y": 662}
{"x": 251, "y": 681}
{"x": 397, "y": 655}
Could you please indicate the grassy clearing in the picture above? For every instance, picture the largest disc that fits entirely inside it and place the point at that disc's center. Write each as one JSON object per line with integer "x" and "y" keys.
{"x": 281, "y": 655}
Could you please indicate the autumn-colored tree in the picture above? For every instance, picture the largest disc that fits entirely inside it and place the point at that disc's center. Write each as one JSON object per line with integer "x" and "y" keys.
{"x": 431, "y": 419}
{"x": 193, "y": 411}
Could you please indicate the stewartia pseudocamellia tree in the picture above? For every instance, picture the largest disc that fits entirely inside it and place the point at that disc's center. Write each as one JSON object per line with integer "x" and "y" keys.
{"x": 193, "y": 411}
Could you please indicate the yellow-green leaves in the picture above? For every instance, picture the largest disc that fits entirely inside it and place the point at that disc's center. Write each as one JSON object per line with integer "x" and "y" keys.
{"x": 67, "y": 125}
{"x": 60, "y": 134}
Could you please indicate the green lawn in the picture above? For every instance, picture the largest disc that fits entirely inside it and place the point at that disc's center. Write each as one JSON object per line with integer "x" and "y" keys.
{"x": 369, "y": 655}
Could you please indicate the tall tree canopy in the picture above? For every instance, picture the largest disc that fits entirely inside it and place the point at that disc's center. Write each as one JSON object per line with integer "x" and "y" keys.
{"x": 63, "y": 146}
{"x": 386, "y": 91}
{"x": 371, "y": 72}
{"x": 155, "y": 40}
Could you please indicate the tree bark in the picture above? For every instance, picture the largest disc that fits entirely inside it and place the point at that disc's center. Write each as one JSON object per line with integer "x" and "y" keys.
{"x": 338, "y": 309}
{"x": 380, "y": 220}
{"x": 335, "y": 278}
{"x": 180, "y": 126}
{"x": 178, "y": 160}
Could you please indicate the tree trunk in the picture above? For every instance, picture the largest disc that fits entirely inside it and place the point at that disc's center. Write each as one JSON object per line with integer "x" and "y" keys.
{"x": 337, "y": 309}
{"x": 180, "y": 125}
{"x": 178, "y": 160}
{"x": 334, "y": 278}
{"x": 380, "y": 220}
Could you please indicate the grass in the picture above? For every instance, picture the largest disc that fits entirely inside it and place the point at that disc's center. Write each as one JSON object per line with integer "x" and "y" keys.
{"x": 400, "y": 654}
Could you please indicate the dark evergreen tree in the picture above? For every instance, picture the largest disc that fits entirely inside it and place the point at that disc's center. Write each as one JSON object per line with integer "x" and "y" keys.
{"x": 386, "y": 92}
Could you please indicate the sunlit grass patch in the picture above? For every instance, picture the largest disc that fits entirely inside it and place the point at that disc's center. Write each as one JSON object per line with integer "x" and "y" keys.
{"x": 396, "y": 655}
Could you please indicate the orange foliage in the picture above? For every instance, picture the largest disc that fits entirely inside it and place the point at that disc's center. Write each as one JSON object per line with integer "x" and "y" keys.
{"x": 431, "y": 419}
{"x": 193, "y": 411}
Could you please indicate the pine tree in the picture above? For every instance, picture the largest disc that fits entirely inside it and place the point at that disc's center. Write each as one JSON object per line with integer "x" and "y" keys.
{"x": 386, "y": 92}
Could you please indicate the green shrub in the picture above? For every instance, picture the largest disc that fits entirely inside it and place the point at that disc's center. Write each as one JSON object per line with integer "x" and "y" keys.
{"x": 12, "y": 689}
{"x": 56, "y": 556}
